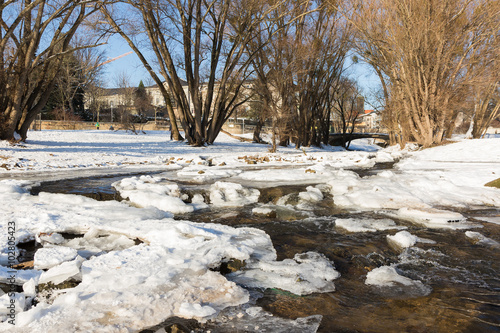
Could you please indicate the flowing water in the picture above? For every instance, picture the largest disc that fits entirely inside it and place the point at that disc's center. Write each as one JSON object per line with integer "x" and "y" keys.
{"x": 463, "y": 275}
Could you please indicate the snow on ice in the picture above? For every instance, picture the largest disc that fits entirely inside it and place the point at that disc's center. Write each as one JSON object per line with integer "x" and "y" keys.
{"x": 404, "y": 239}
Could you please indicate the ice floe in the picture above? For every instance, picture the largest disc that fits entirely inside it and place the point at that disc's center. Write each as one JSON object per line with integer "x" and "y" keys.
{"x": 366, "y": 225}
{"x": 306, "y": 273}
{"x": 435, "y": 218}
{"x": 225, "y": 194}
{"x": 146, "y": 191}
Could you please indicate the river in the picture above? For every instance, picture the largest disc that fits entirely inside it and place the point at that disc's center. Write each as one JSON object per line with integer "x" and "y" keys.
{"x": 461, "y": 274}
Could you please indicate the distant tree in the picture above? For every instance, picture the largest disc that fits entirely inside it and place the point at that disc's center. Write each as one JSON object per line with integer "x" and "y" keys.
{"x": 95, "y": 101}
{"x": 142, "y": 100}
{"x": 35, "y": 36}
{"x": 79, "y": 72}
{"x": 346, "y": 108}
{"x": 122, "y": 111}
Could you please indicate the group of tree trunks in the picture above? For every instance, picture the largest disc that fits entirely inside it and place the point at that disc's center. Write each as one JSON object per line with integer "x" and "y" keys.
{"x": 286, "y": 59}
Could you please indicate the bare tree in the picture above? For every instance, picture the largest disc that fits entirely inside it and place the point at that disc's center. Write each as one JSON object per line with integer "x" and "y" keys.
{"x": 34, "y": 37}
{"x": 94, "y": 99}
{"x": 486, "y": 91}
{"x": 203, "y": 41}
{"x": 427, "y": 54}
{"x": 298, "y": 68}
{"x": 486, "y": 109}
{"x": 79, "y": 72}
{"x": 142, "y": 100}
{"x": 346, "y": 108}
{"x": 122, "y": 111}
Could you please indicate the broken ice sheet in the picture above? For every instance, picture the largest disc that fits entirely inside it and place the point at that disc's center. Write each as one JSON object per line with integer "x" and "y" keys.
{"x": 305, "y": 274}
{"x": 254, "y": 319}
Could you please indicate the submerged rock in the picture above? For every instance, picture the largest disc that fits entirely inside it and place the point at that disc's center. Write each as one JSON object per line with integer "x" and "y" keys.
{"x": 174, "y": 325}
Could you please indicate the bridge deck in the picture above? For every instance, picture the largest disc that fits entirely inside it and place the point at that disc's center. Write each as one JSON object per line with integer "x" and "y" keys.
{"x": 337, "y": 139}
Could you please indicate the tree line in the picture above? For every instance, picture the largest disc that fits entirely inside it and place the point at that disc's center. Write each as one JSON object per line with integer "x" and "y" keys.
{"x": 285, "y": 60}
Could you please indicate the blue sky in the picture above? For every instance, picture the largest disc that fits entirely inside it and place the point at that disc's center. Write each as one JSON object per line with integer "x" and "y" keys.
{"x": 130, "y": 64}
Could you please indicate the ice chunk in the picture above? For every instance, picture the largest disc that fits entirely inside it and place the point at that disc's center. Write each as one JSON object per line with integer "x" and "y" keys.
{"x": 224, "y": 194}
{"x": 21, "y": 276}
{"x": 478, "y": 238}
{"x": 404, "y": 239}
{"x": 343, "y": 182}
{"x": 50, "y": 237}
{"x": 489, "y": 219}
{"x": 383, "y": 157}
{"x": 365, "y": 225}
{"x": 255, "y": 319}
{"x": 91, "y": 233}
{"x": 29, "y": 288}
{"x": 196, "y": 310}
{"x": 62, "y": 272}
{"x": 46, "y": 258}
{"x": 313, "y": 194}
{"x": 198, "y": 202}
{"x": 265, "y": 211}
{"x": 147, "y": 191}
{"x": 88, "y": 247}
{"x": 392, "y": 283}
{"x": 204, "y": 174}
{"x": 386, "y": 276}
{"x": 434, "y": 218}
{"x": 307, "y": 273}
{"x": 161, "y": 201}
{"x": 11, "y": 186}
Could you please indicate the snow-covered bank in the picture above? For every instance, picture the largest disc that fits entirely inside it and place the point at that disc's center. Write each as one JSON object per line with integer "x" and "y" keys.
{"x": 134, "y": 265}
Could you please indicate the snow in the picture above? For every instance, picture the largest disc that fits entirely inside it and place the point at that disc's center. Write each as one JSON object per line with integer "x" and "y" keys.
{"x": 138, "y": 265}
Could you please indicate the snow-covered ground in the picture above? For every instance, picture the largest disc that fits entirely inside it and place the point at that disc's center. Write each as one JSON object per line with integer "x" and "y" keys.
{"x": 136, "y": 266}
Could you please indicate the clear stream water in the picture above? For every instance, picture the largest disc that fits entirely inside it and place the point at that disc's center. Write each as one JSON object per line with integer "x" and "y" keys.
{"x": 464, "y": 277}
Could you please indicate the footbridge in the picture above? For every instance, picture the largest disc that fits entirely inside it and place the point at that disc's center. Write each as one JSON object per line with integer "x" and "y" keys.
{"x": 336, "y": 139}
